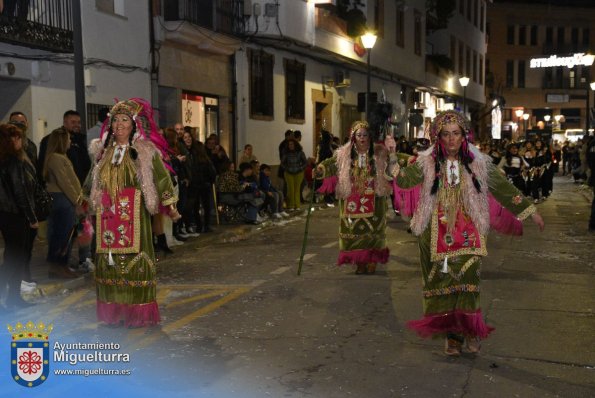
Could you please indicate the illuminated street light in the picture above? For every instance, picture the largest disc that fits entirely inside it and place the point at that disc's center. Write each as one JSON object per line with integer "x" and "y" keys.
{"x": 368, "y": 40}
{"x": 464, "y": 81}
{"x": 547, "y": 118}
{"x": 519, "y": 115}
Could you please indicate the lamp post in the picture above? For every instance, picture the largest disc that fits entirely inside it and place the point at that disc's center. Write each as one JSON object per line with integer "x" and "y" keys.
{"x": 519, "y": 115}
{"x": 368, "y": 40}
{"x": 588, "y": 115}
{"x": 464, "y": 81}
{"x": 525, "y": 118}
{"x": 546, "y": 119}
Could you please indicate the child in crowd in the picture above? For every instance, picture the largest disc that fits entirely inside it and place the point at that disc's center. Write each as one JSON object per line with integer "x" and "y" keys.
{"x": 273, "y": 198}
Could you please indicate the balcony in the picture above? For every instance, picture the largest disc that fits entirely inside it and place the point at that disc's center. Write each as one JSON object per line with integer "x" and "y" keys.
{"x": 222, "y": 16}
{"x": 44, "y": 24}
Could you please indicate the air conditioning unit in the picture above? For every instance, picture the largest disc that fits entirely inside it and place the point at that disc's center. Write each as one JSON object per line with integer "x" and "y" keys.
{"x": 342, "y": 79}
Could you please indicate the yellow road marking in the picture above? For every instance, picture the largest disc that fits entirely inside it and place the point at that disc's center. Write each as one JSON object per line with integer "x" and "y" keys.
{"x": 194, "y": 298}
{"x": 85, "y": 303}
{"x": 196, "y": 314}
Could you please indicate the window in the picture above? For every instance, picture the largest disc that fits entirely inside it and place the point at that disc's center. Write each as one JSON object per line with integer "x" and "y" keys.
{"x": 261, "y": 84}
{"x": 295, "y": 75}
{"x": 482, "y": 12}
{"x": 453, "y": 52}
{"x": 574, "y": 38}
{"x": 549, "y": 35}
{"x": 560, "y": 35}
{"x": 461, "y": 59}
{"x": 475, "y": 3}
{"x": 548, "y": 80}
{"x": 379, "y": 17}
{"x": 572, "y": 79}
{"x": 110, "y": 6}
{"x": 559, "y": 77}
{"x": 474, "y": 74}
{"x": 521, "y": 76}
{"x": 585, "y": 76}
{"x": 533, "y": 35}
{"x": 509, "y": 73}
{"x": 417, "y": 33}
{"x": 522, "y": 35}
{"x": 481, "y": 69}
{"x": 586, "y": 33}
{"x": 469, "y": 10}
{"x": 400, "y": 26}
{"x": 510, "y": 34}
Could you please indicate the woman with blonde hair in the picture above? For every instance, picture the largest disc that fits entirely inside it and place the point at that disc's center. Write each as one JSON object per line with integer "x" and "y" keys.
{"x": 65, "y": 189}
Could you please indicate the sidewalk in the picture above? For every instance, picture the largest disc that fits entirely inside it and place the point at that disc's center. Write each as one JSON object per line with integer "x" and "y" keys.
{"x": 226, "y": 233}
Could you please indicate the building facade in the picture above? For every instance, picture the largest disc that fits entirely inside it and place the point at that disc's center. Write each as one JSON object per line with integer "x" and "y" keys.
{"x": 37, "y": 67}
{"x": 540, "y": 60}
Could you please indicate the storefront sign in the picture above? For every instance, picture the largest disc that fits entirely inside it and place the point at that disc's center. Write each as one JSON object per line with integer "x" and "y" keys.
{"x": 570, "y": 62}
{"x": 557, "y": 98}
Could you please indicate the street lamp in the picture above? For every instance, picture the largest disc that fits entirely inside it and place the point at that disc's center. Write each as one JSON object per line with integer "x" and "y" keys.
{"x": 464, "y": 82}
{"x": 547, "y": 119}
{"x": 525, "y": 118}
{"x": 368, "y": 40}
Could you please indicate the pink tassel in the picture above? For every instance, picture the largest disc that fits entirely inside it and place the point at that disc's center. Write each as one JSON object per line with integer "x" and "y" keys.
{"x": 456, "y": 321}
{"x": 406, "y": 200}
{"x": 133, "y": 315}
{"x": 329, "y": 184}
{"x": 363, "y": 256}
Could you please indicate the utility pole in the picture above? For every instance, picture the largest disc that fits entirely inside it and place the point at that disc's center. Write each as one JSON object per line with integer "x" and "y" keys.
{"x": 79, "y": 64}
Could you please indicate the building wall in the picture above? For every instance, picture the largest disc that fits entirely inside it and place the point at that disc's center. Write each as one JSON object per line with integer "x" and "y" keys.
{"x": 533, "y": 95}
{"x": 45, "y": 88}
{"x": 41, "y": 89}
{"x": 470, "y": 35}
{"x": 121, "y": 38}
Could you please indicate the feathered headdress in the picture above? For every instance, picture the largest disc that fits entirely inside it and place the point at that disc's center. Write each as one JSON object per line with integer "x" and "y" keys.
{"x": 141, "y": 113}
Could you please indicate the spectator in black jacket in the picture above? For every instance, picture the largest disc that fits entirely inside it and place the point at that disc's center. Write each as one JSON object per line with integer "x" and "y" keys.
{"x": 78, "y": 154}
{"x": 17, "y": 213}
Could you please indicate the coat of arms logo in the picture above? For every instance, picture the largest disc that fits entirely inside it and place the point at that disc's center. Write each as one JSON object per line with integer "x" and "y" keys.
{"x": 29, "y": 353}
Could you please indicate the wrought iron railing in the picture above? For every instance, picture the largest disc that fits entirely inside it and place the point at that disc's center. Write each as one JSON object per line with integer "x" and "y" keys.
{"x": 223, "y": 16}
{"x": 44, "y": 24}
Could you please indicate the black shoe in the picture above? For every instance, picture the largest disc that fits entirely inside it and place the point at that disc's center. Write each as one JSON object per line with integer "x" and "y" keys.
{"x": 253, "y": 222}
{"x": 162, "y": 245}
{"x": 207, "y": 230}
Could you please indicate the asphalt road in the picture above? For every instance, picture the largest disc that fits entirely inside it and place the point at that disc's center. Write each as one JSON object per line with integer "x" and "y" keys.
{"x": 239, "y": 322}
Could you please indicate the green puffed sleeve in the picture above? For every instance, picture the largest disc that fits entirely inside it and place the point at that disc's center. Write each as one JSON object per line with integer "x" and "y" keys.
{"x": 409, "y": 176}
{"x": 329, "y": 167}
{"x": 508, "y": 195}
{"x": 163, "y": 183}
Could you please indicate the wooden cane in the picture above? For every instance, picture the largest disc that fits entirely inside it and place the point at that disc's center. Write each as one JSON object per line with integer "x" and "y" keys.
{"x": 312, "y": 193}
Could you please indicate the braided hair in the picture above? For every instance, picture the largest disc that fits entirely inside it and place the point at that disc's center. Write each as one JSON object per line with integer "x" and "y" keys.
{"x": 110, "y": 134}
{"x": 440, "y": 155}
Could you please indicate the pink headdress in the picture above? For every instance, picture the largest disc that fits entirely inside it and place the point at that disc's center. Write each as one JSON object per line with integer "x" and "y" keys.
{"x": 141, "y": 112}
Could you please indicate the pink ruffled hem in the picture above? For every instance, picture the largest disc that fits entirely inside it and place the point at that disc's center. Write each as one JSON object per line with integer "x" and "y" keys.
{"x": 363, "y": 256}
{"x": 133, "y": 315}
{"x": 406, "y": 200}
{"x": 502, "y": 220}
{"x": 328, "y": 185}
{"x": 458, "y": 322}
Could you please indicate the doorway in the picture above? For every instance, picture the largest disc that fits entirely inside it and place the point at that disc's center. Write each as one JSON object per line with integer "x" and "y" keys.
{"x": 322, "y": 102}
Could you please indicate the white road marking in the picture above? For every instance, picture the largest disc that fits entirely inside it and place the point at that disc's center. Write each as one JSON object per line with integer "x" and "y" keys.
{"x": 329, "y": 245}
{"x": 280, "y": 270}
{"x": 307, "y": 256}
